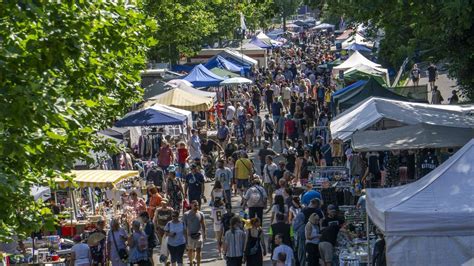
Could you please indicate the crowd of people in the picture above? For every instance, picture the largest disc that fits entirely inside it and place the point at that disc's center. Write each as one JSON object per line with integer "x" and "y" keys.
{"x": 283, "y": 119}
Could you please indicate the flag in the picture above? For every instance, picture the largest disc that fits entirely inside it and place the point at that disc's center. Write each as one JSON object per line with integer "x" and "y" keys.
{"x": 342, "y": 24}
{"x": 242, "y": 22}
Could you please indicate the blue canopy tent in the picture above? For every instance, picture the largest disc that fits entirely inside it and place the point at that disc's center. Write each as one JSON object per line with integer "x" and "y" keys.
{"x": 200, "y": 77}
{"x": 182, "y": 68}
{"x": 221, "y": 62}
{"x": 260, "y": 43}
{"x": 358, "y": 47}
{"x": 150, "y": 117}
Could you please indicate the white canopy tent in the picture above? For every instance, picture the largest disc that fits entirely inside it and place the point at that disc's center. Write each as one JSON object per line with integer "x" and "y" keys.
{"x": 370, "y": 70}
{"x": 202, "y": 93}
{"x": 365, "y": 114}
{"x": 356, "y": 59}
{"x": 411, "y": 137}
{"x": 430, "y": 221}
{"x": 263, "y": 37}
{"x": 240, "y": 57}
{"x": 357, "y": 38}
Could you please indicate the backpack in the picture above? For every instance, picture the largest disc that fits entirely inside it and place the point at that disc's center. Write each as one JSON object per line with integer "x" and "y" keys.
{"x": 142, "y": 242}
{"x": 269, "y": 127}
{"x": 256, "y": 197}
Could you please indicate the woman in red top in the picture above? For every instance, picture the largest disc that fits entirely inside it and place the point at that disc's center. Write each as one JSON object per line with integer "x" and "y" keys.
{"x": 183, "y": 156}
{"x": 165, "y": 157}
{"x": 290, "y": 127}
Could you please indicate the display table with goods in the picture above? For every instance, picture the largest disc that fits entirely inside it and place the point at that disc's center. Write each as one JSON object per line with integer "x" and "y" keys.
{"x": 334, "y": 183}
{"x": 352, "y": 245}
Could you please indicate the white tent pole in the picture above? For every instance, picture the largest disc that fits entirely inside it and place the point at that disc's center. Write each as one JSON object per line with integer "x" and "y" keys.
{"x": 367, "y": 226}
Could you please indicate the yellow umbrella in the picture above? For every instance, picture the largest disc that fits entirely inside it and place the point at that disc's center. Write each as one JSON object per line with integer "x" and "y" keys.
{"x": 181, "y": 99}
{"x": 96, "y": 178}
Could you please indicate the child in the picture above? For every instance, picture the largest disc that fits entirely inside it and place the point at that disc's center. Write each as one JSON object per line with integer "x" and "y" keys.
{"x": 217, "y": 192}
{"x": 183, "y": 156}
{"x": 281, "y": 259}
{"x": 218, "y": 211}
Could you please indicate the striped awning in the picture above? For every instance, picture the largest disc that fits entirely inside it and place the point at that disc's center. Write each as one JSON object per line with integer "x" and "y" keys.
{"x": 96, "y": 178}
{"x": 181, "y": 99}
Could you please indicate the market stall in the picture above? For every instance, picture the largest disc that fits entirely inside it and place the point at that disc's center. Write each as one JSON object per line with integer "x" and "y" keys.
{"x": 200, "y": 76}
{"x": 181, "y": 99}
{"x": 428, "y": 222}
{"x": 391, "y": 113}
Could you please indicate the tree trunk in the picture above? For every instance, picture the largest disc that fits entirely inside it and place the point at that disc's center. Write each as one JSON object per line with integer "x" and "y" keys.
{"x": 284, "y": 22}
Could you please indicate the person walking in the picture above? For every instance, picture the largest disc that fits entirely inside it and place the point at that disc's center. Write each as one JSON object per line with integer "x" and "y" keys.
{"x": 162, "y": 216}
{"x": 243, "y": 172}
{"x": 255, "y": 244}
{"x": 234, "y": 241}
{"x": 81, "y": 254}
{"x": 217, "y": 212}
{"x": 194, "y": 186}
{"x": 116, "y": 247}
{"x": 312, "y": 240}
{"x": 176, "y": 232}
{"x": 415, "y": 75}
{"x": 284, "y": 249}
{"x": 138, "y": 245}
{"x": 154, "y": 202}
{"x": 149, "y": 229}
{"x": 98, "y": 249}
{"x": 279, "y": 207}
{"x": 194, "y": 145}
{"x": 436, "y": 97}
{"x": 269, "y": 179}
{"x": 268, "y": 129}
{"x": 281, "y": 227}
{"x": 195, "y": 232}
{"x": 224, "y": 176}
{"x": 174, "y": 191}
{"x": 165, "y": 156}
{"x": 256, "y": 199}
{"x": 432, "y": 75}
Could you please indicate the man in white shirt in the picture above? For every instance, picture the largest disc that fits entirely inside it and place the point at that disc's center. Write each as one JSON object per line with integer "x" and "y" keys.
{"x": 286, "y": 95}
{"x": 224, "y": 175}
{"x": 240, "y": 112}
{"x": 229, "y": 113}
{"x": 194, "y": 145}
{"x": 269, "y": 180}
{"x": 282, "y": 248}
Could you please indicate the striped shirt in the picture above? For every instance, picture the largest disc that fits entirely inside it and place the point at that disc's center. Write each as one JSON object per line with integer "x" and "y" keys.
{"x": 235, "y": 243}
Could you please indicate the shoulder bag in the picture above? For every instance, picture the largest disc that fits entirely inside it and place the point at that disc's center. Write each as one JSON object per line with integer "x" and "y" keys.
{"x": 122, "y": 252}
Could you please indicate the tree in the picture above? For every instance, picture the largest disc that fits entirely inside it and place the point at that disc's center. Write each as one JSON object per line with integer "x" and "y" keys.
{"x": 183, "y": 27}
{"x": 67, "y": 69}
{"x": 432, "y": 30}
{"x": 286, "y": 8}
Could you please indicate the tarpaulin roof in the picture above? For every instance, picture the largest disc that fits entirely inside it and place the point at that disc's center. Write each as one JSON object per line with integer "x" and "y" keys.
{"x": 154, "y": 89}
{"x": 221, "y": 62}
{"x": 358, "y": 47}
{"x": 241, "y": 58}
{"x": 96, "y": 178}
{"x": 323, "y": 26}
{"x": 411, "y": 137}
{"x": 181, "y": 99}
{"x": 200, "y": 76}
{"x": 371, "y": 89}
{"x": 263, "y": 37}
{"x": 354, "y": 85}
{"x": 260, "y": 43}
{"x": 177, "y": 111}
{"x": 357, "y": 38}
{"x": 224, "y": 73}
{"x": 346, "y": 34}
{"x": 150, "y": 116}
{"x": 372, "y": 110}
{"x": 356, "y": 59}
